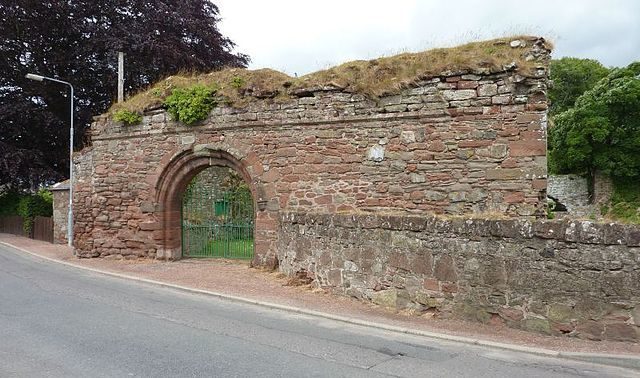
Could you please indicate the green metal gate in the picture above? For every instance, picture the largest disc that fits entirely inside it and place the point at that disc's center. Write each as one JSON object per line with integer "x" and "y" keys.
{"x": 217, "y": 223}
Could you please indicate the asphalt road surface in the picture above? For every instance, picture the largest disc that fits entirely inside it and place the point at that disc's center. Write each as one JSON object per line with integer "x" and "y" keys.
{"x": 59, "y": 321}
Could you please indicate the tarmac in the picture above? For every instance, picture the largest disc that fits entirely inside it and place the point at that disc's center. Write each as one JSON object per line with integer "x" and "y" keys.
{"x": 235, "y": 281}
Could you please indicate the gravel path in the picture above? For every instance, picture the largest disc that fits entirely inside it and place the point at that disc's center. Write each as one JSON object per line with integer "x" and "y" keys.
{"x": 236, "y": 278}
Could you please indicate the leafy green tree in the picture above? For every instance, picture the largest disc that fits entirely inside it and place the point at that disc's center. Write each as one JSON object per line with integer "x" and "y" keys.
{"x": 602, "y": 131}
{"x": 571, "y": 78}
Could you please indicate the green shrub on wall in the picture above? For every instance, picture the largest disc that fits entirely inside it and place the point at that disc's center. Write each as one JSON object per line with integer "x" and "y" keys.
{"x": 127, "y": 117}
{"x": 190, "y": 105}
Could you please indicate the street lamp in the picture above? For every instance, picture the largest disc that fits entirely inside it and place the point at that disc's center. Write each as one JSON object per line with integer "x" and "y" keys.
{"x": 70, "y": 211}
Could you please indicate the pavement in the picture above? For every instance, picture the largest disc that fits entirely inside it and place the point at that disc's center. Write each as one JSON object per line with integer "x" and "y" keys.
{"x": 235, "y": 281}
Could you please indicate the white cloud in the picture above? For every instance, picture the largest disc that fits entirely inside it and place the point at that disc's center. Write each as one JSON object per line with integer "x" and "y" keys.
{"x": 301, "y": 37}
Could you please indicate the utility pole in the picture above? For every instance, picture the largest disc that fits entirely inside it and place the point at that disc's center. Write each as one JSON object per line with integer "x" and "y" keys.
{"x": 120, "y": 76}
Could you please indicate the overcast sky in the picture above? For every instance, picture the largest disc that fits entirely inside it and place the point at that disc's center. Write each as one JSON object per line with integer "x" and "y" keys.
{"x": 305, "y": 36}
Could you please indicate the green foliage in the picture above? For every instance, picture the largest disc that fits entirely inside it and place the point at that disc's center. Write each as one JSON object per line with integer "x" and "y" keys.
{"x": 127, "y": 117}
{"x": 30, "y": 206}
{"x": 625, "y": 190}
{"x": 551, "y": 207}
{"x": 571, "y": 78}
{"x": 237, "y": 82}
{"x": 157, "y": 92}
{"x": 602, "y": 131}
{"x": 237, "y": 192}
{"x": 9, "y": 203}
{"x": 625, "y": 201}
{"x": 190, "y": 105}
{"x": 625, "y": 212}
{"x": 238, "y": 247}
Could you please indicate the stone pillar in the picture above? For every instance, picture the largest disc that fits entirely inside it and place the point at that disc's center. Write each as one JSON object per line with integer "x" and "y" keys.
{"x": 60, "y": 193}
{"x": 602, "y": 188}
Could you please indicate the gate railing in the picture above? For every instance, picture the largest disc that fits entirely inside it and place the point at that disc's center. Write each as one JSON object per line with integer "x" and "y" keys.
{"x": 218, "y": 240}
{"x": 218, "y": 226}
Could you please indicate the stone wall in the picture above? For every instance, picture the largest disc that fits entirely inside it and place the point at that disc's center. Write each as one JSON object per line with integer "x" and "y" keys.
{"x": 556, "y": 277}
{"x": 326, "y": 165}
{"x": 459, "y": 143}
{"x": 60, "y": 193}
{"x": 572, "y": 191}
{"x": 602, "y": 189}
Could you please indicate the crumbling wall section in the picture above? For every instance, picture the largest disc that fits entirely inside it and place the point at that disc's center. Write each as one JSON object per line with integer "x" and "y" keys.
{"x": 572, "y": 191}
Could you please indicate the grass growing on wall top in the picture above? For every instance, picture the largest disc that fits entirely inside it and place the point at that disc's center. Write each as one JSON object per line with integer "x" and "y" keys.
{"x": 386, "y": 75}
{"x": 127, "y": 117}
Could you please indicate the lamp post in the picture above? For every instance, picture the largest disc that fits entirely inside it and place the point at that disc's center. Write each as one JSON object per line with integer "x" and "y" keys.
{"x": 70, "y": 211}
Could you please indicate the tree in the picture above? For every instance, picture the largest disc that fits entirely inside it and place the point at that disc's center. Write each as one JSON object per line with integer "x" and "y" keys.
{"x": 602, "y": 131}
{"x": 77, "y": 41}
{"x": 571, "y": 78}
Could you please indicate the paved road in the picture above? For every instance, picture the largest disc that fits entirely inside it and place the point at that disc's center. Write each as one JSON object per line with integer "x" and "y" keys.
{"x": 58, "y": 321}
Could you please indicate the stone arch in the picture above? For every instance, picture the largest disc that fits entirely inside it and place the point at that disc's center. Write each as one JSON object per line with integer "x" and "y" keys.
{"x": 174, "y": 179}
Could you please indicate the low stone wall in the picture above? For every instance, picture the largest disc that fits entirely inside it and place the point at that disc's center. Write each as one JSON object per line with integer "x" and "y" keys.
{"x": 555, "y": 277}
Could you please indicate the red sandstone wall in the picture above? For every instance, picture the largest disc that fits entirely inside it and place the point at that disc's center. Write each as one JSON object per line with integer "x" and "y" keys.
{"x": 457, "y": 144}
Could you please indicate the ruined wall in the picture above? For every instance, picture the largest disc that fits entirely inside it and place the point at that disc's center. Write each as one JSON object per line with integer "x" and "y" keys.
{"x": 463, "y": 142}
{"x": 602, "y": 189}
{"x": 571, "y": 191}
{"x": 556, "y": 277}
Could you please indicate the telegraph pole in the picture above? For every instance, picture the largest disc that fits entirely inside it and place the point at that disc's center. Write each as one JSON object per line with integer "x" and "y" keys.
{"x": 120, "y": 76}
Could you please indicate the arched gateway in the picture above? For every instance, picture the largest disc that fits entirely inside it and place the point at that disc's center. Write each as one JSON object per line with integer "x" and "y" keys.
{"x": 171, "y": 187}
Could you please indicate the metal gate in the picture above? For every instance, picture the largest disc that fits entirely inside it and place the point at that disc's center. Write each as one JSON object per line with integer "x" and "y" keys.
{"x": 217, "y": 223}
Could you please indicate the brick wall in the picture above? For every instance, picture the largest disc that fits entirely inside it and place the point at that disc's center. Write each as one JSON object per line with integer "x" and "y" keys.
{"x": 602, "y": 189}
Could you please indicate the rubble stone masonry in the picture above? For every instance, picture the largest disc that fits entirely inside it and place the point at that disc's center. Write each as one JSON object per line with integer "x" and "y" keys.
{"x": 460, "y": 143}
{"x": 326, "y": 168}
{"x": 574, "y": 278}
